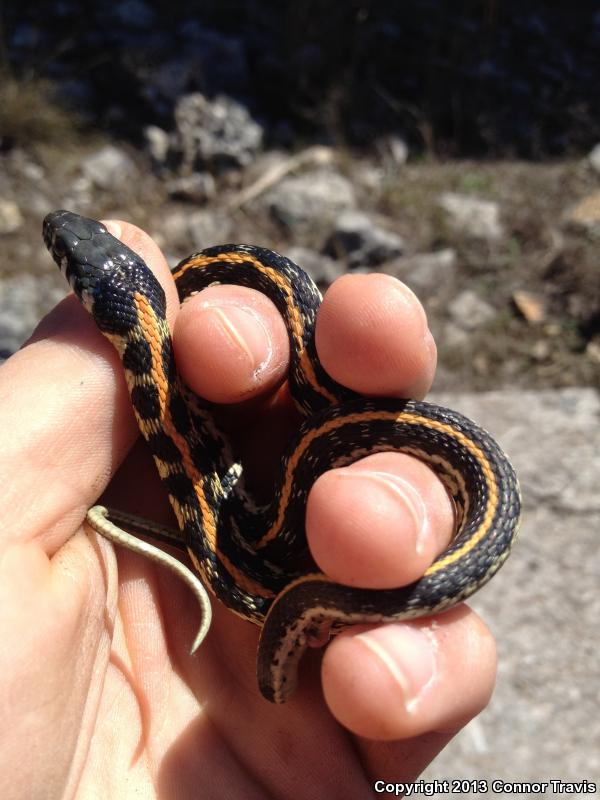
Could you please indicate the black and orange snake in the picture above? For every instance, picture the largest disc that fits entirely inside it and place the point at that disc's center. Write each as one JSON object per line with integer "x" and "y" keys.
{"x": 255, "y": 559}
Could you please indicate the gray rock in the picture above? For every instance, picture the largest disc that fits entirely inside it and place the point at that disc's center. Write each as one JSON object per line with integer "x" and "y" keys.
{"x": 218, "y": 133}
{"x": 544, "y": 605}
{"x": 358, "y": 240}
{"x": 370, "y": 177}
{"x": 171, "y": 233}
{"x": 207, "y": 228}
{"x": 157, "y": 142}
{"x": 79, "y": 194}
{"x": 24, "y": 299}
{"x": 108, "y": 167}
{"x": 179, "y": 232}
{"x": 454, "y": 336}
{"x": 195, "y": 188}
{"x": 313, "y": 198}
{"x": 469, "y": 311}
{"x": 33, "y": 172}
{"x": 392, "y": 149}
{"x": 472, "y": 216}
{"x": 11, "y": 218}
{"x": 594, "y": 158}
{"x": 18, "y": 162}
{"x": 425, "y": 273}
{"x": 322, "y": 269}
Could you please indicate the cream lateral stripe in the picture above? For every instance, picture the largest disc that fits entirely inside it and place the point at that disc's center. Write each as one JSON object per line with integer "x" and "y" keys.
{"x": 296, "y": 322}
{"x": 200, "y": 569}
{"x": 411, "y": 419}
{"x": 152, "y": 323}
{"x": 313, "y": 576}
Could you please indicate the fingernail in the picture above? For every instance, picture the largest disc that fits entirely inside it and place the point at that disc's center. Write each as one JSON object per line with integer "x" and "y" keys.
{"x": 245, "y": 330}
{"x": 407, "y": 656}
{"x": 409, "y": 508}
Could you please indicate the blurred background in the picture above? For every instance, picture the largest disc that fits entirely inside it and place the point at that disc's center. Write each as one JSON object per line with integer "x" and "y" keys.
{"x": 455, "y": 145}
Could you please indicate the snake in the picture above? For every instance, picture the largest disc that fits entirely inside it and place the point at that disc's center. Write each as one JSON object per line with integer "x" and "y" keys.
{"x": 253, "y": 557}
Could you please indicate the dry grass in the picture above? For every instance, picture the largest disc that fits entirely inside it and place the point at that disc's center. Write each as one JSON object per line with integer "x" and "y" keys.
{"x": 31, "y": 113}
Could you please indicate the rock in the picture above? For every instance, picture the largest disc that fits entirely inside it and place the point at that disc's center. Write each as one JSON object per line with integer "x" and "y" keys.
{"x": 557, "y": 422}
{"x": 33, "y": 172}
{"x": 272, "y": 167}
{"x": 181, "y": 232}
{"x": 157, "y": 142}
{"x": 220, "y": 133}
{"x": 469, "y": 311}
{"x": 455, "y": 338}
{"x": 11, "y": 218}
{"x": 208, "y": 228}
{"x": 195, "y": 188}
{"x": 425, "y": 273}
{"x": 315, "y": 197}
{"x": 19, "y": 162}
{"x": 541, "y": 350}
{"x": 547, "y": 649}
{"x": 322, "y": 269}
{"x": 358, "y": 240}
{"x": 370, "y": 177}
{"x": 108, "y": 167}
{"x": 472, "y": 216}
{"x": 585, "y": 215}
{"x": 392, "y": 149}
{"x": 592, "y": 350}
{"x": 594, "y": 158}
{"x": 23, "y": 300}
{"x": 171, "y": 231}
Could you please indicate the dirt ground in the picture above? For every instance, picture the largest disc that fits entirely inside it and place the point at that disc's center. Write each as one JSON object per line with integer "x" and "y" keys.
{"x": 541, "y": 278}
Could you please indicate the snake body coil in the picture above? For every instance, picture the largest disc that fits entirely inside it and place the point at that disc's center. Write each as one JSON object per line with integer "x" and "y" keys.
{"x": 256, "y": 560}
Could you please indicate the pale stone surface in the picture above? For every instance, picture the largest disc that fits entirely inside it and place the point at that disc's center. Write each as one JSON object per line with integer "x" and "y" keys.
{"x": 544, "y": 605}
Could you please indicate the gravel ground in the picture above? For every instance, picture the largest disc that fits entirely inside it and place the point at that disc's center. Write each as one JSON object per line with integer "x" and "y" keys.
{"x": 544, "y": 605}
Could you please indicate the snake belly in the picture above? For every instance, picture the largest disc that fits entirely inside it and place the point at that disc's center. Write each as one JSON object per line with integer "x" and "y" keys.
{"x": 255, "y": 559}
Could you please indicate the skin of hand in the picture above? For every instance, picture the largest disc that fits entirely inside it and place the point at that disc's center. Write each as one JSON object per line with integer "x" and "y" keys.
{"x": 98, "y": 694}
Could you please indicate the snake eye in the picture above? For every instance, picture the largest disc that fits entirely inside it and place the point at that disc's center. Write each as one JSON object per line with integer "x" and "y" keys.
{"x": 58, "y": 247}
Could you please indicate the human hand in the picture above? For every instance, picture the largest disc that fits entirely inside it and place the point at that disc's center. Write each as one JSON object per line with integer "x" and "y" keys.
{"x": 98, "y": 692}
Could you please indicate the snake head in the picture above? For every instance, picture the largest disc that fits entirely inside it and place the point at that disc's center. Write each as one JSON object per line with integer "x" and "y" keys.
{"x": 104, "y": 273}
